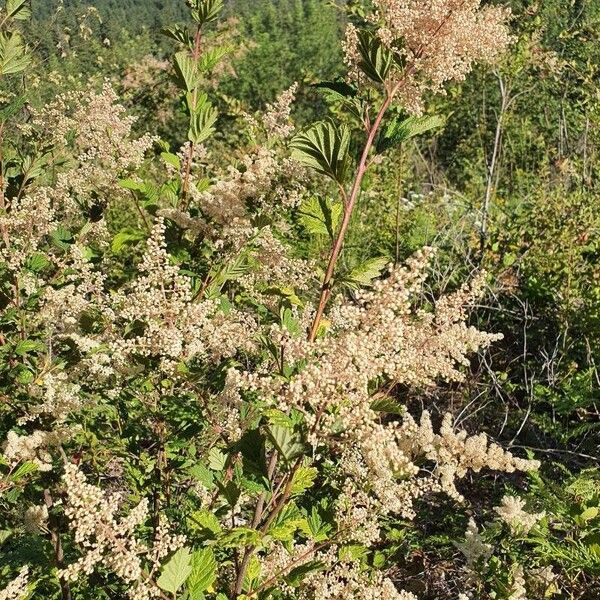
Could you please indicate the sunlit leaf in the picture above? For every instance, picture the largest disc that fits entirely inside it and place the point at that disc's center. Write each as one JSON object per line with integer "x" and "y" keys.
{"x": 324, "y": 147}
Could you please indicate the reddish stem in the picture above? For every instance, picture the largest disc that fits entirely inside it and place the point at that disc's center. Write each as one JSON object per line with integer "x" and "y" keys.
{"x": 349, "y": 205}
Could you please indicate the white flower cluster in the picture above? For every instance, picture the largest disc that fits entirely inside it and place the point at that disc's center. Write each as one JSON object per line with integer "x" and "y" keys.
{"x": 109, "y": 540}
{"x": 439, "y": 40}
{"x": 381, "y": 338}
{"x": 36, "y": 519}
{"x": 474, "y": 548}
{"x": 176, "y": 326}
{"x": 32, "y": 448}
{"x": 511, "y": 512}
{"x": 346, "y": 579}
{"x": 518, "y": 591}
{"x": 18, "y": 588}
{"x": 276, "y": 118}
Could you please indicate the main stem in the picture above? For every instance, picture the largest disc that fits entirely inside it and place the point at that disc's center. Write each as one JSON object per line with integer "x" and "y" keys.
{"x": 349, "y": 205}
{"x": 185, "y": 188}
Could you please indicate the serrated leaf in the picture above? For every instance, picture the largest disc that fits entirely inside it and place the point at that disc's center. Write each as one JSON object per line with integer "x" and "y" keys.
{"x": 212, "y": 57}
{"x": 231, "y": 271}
{"x": 337, "y": 88}
{"x": 231, "y": 491}
{"x": 24, "y": 469}
{"x": 319, "y": 528}
{"x": 125, "y": 238}
{"x": 252, "y": 573}
{"x": 400, "y": 130}
{"x": 37, "y": 262}
{"x": 339, "y": 91}
{"x": 320, "y": 216}
{"x": 202, "y": 120}
{"x": 204, "y": 572}
{"x": 62, "y": 238}
{"x": 304, "y": 478}
{"x": 323, "y": 147}
{"x": 13, "y": 54}
{"x": 296, "y": 576}
{"x": 239, "y": 537}
{"x": 388, "y": 405}
{"x": 186, "y": 71}
{"x": 206, "y": 11}
{"x": 287, "y": 442}
{"x": 171, "y": 159}
{"x": 216, "y": 459}
{"x": 352, "y": 552}
{"x": 26, "y": 346}
{"x": 24, "y": 376}
{"x": 204, "y": 519}
{"x": 289, "y": 322}
{"x": 286, "y": 530}
{"x": 131, "y": 184}
{"x": 176, "y": 571}
{"x": 203, "y": 475}
{"x": 18, "y": 10}
{"x": 589, "y": 513}
{"x": 178, "y": 34}
{"x": 278, "y": 417}
{"x": 364, "y": 274}
{"x": 376, "y": 59}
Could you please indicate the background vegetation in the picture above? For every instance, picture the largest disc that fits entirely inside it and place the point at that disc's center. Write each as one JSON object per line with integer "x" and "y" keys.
{"x": 506, "y": 182}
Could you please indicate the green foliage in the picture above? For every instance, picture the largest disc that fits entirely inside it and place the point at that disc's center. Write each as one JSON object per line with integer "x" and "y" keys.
{"x": 324, "y": 147}
{"x": 176, "y": 572}
{"x": 400, "y": 130}
{"x": 166, "y": 436}
{"x": 376, "y": 59}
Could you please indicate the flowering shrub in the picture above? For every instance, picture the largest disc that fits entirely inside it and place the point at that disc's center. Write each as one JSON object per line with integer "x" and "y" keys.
{"x": 191, "y": 407}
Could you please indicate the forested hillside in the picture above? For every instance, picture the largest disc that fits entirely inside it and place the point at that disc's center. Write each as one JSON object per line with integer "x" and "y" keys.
{"x": 299, "y": 300}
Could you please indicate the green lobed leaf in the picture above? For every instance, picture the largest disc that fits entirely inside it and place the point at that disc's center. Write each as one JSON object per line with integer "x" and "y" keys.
{"x": 324, "y": 147}
{"x": 176, "y": 571}
{"x": 203, "y": 118}
{"x": 364, "y": 274}
{"x": 204, "y": 572}
{"x": 26, "y": 346}
{"x": 216, "y": 459}
{"x": 38, "y": 262}
{"x": 320, "y": 215}
{"x": 20, "y": 10}
{"x": 125, "y": 238}
{"x": 304, "y": 478}
{"x": 402, "y": 129}
{"x": 171, "y": 159}
{"x": 287, "y": 442}
{"x": 205, "y": 520}
{"x": 337, "y": 88}
{"x": 178, "y": 34}
{"x": 206, "y": 11}
{"x": 211, "y": 57}
{"x": 24, "y": 469}
{"x": 240, "y": 537}
{"x": 14, "y": 57}
{"x": 203, "y": 475}
{"x": 186, "y": 71}
{"x": 376, "y": 59}
{"x": 388, "y": 405}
